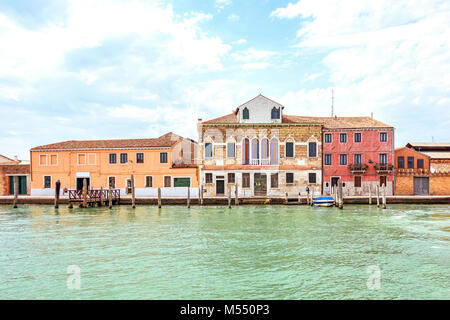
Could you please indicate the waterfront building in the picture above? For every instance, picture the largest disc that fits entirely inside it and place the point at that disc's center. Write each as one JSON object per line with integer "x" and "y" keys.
{"x": 423, "y": 169}
{"x": 261, "y": 150}
{"x": 166, "y": 162}
{"x": 360, "y": 151}
{"x": 9, "y": 168}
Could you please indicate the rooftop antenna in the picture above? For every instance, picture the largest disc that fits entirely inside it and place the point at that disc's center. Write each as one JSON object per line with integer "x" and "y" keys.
{"x": 332, "y": 103}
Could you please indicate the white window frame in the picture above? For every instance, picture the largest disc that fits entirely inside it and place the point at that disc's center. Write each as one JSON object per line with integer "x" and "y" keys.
{"x": 317, "y": 149}
{"x": 109, "y": 158}
{"x": 324, "y": 137}
{"x": 278, "y": 180}
{"x": 78, "y": 159}
{"x": 324, "y": 158}
{"x": 43, "y": 182}
{"x": 293, "y": 178}
{"x": 309, "y": 182}
{"x": 50, "y": 159}
{"x": 343, "y": 165}
{"x": 120, "y": 160}
{"x": 143, "y": 162}
{"x": 346, "y": 137}
{"x": 212, "y": 150}
{"x": 379, "y": 136}
{"x": 362, "y": 157}
{"x": 234, "y": 142}
{"x": 293, "y": 149}
{"x": 354, "y": 137}
{"x": 87, "y": 159}
{"x": 358, "y": 175}
{"x": 46, "y": 160}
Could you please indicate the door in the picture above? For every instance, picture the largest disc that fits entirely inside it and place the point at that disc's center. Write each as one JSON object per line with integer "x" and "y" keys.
{"x": 22, "y": 185}
{"x": 220, "y": 187}
{"x": 260, "y": 184}
{"x": 128, "y": 190}
{"x": 383, "y": 181}
{"x": 80, "y": 183}
{"x": 334, "y": 181}
{"x": 421, "y": 186}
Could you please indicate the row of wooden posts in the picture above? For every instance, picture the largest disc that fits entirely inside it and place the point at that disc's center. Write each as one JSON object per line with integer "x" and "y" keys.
{"x": 336, "y": 193}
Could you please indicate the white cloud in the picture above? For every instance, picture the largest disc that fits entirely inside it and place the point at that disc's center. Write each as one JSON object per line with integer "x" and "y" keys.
{"x": 233, "y": 17}
{"x": 240, "y": 41}
{"x": 255, "y": 65}
{"x": 221, "y": 4}
{"x": 380, "y": 56}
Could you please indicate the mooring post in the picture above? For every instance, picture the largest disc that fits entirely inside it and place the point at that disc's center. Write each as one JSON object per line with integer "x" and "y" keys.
{"x": 84, "y": 193}
{"x": 384, "y": 196}
{"x": 159, "y": 197}
{"x": 378, "y": 196}
{"x": 229, "y": 197}
{"x": 133, "y": 193}
{"x": 299, "y": 198}
{"x": 188, "y": 197}
{"x": 370, "y": 194}
{"x": 101, "y": 197}
{"x": 236, "y": 195}
{"x": 57, "y": 188}
{"x": 201, "y": 194}
{"x": 110, "y": 197}
{"x": 341, "y": 195}
{"x": 16, "y": 190}
{"x": 286, "y": 198}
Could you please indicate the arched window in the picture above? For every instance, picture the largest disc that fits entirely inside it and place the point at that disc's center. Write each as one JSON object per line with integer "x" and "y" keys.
{"x": 274, "y": 151}
{"x": 255, "y": 150}
{"x": 265, "y": 150}
{"x": 275, "y": 113}
{"x": 246, "y": 151}
{"x": 245, "y": 114}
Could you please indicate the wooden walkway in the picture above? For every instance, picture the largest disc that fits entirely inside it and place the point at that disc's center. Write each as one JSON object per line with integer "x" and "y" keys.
{"x": 94, "y": 197}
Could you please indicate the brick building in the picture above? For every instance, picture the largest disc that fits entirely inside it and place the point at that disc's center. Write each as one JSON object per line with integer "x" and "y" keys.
{"x": 9, "y": 168}
{"x": 423, "y": 169}
{"x": 166, "y": 162}
{"x": 262, "y": 150}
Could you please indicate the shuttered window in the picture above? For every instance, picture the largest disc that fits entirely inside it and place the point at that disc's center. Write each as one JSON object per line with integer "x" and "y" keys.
{"x": 112, "y": 158}
{"x": 357, "y": 158}
{"x": 383, "y": 158}
{"x": 163, "y": 157}
{"x": 208, "y": 150}
{"x": 124, "y": 158}
{"x": 312, "y": 178}
{"x": 401, "y": 162}
{"x": 343, "y": 159}
{"x": 419, "y": 163}
{"x": 410, "y": 162}
{"x": 47, "y": 182}
{"x": 231, "y": 178}
{"x": 274, "y": 180}
{"x": 167, "y": 181}
{"x": 357, "y": 181}
{"x": 208, "y": 177}
{"x": 383, "y": 136}
{"x": 312, "y": 149}
{"x": 246, "y": 180}
{"x": 289, "y": 149}
{"x": 342, "y": 137}
{"x": 148, "y": 181}
{"x": 289, "y": 178}
{"x": 328, "y": 138}
{"x": 139, "y": 157}
{"x": 231, "y": 150}
{"x": 357, "y": 137}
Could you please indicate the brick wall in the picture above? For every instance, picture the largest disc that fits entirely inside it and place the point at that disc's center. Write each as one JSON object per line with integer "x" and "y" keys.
{"x": 404, "y": 185}
{"x": 11, "y": 169}
{"x": 440, "y": 185}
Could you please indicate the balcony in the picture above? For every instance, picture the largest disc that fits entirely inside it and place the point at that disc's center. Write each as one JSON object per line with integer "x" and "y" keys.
{"x": 358, "y": 168}
{"x": 384, "y": 167}
{"x": 260, "y": 162}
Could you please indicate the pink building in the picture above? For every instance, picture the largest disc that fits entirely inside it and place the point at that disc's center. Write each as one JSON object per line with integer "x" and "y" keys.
{"x": 360, "y": 151}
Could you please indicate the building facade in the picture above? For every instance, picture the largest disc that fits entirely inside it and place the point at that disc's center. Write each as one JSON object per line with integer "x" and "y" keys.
{"x": 424, "y": 172}
{"x": 166, "y": 162}
{"x": 261, "y": 150}
{"x": 9, "y": 168}
{"x": 360, "y": 151}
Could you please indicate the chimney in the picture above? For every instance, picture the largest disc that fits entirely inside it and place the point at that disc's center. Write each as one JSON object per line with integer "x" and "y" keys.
{"x": 199, "y": 119}
{"x": 371, "y": 115}
{"x": 16, "y": 158}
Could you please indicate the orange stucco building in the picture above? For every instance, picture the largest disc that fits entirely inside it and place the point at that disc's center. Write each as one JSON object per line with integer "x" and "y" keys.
{"x": 166, "y": 162}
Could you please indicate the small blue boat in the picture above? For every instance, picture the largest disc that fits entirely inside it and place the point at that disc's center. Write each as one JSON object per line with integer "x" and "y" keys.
{"x": 323, "y": 202}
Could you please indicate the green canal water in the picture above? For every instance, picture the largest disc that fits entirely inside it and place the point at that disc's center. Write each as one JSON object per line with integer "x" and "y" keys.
{"x": 248, "y": 252}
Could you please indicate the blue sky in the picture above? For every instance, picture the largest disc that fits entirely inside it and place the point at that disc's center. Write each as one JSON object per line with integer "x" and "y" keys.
{"x": 103, "y": 69}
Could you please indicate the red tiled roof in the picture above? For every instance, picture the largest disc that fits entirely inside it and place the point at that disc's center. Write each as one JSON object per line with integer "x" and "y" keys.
{"x": 167, "y": 140}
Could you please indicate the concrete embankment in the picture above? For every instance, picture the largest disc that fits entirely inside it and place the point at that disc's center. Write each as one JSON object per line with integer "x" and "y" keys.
{"x": 242, "y": 201}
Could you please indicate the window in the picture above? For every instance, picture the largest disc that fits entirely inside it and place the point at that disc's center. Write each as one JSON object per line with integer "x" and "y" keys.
{"x": 181, "y": 182}
{"x": 289, "y": 178}
{"x": 124, "y": 158}
{"x": 357, "y": 158}
{"x": 410, "y": 162}
{"x": 81, "y": 159}
{"x": 245, "y": 114}
{"x": 231, "y": 150}
{"x": 140, "y": 157}
{"x": 328, "y": 138}
{"x": 289, "y": 149}
{"x": 383, "y": 158}
{"x": 274, "y": 180}
{"x": 231, "y": 178}
{"x": 208, "y": 150}
{"x": 343, "y": 159}
{"x": 401, "y": 162}
{"x": 246, "y": 180}
{"x": 255, "y": 149}
{"x": 419, "y": 163}
{"x": 148, "y": 181}
{"x": 112, "y": 158}
{"x": 275, "y": 113}
{"x": 312, "y": 178}
{"x": 357, "y": 136}
{"x": 53, "y": 159}
{"x": 163, "y": 157}
{"x": 357, "y": 181}
{"x": 327, "y": 159}
{"x": 383, "y": 181}
{"x": 43, "y": 159}
{"x": 112, "y": 182}
{"x": 265, "y": 149}
{"x": 246, "y": 153}
{"x": 208, "y": 177}
{"x": 167, "y": 181}
{"x": 47, "y": 182}
{"x": 342, "y": 137}
{"x": 273, "y": 151}
{"x": 91, "y": 158}
{"x": 383, "y": 136}
{"x": 312, "y": 149}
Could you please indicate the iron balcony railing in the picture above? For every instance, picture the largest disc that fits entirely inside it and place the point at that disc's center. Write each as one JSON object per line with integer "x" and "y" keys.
{"x": 384, "y": 167}
{"x": 358, "y": 167}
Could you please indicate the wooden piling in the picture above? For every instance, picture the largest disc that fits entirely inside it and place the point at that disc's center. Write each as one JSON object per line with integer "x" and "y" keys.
{"x": 84, "y": 193}
{"x": 370, "y": 195}
{"x": 201, "y": 194}
{"x": 229, "y": 197}
{"x": 236, "y": 195}
{"x": 159, "y": 197}
{"x": 101, "y": 197}
{"x": 286, "y": 198}
{"x": 299, "y": 200}
{"x": 378, "y": 196}
{"x": 188, "y": 197}
{"x": 57, "y": 189}
{"x": 133, "y": 193}
{"x": 110, "y": 197}
{"x": 384, "y": 196}
{"x": 341, "y": 195}
{"x": 16, "y": 190}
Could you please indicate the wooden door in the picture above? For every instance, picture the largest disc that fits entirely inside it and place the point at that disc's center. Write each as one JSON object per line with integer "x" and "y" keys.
{"x": 260, "y": 184}
{"x": 383, "y": 181}
{"x": 220, "y": 187}
{"x": 421, "y": 186}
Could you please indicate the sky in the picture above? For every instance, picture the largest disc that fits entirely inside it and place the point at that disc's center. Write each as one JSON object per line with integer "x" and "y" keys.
{"x": 101, "y": 69}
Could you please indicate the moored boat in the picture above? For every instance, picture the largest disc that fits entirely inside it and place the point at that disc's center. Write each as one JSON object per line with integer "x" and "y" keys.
{"x": 323, "y": 202}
